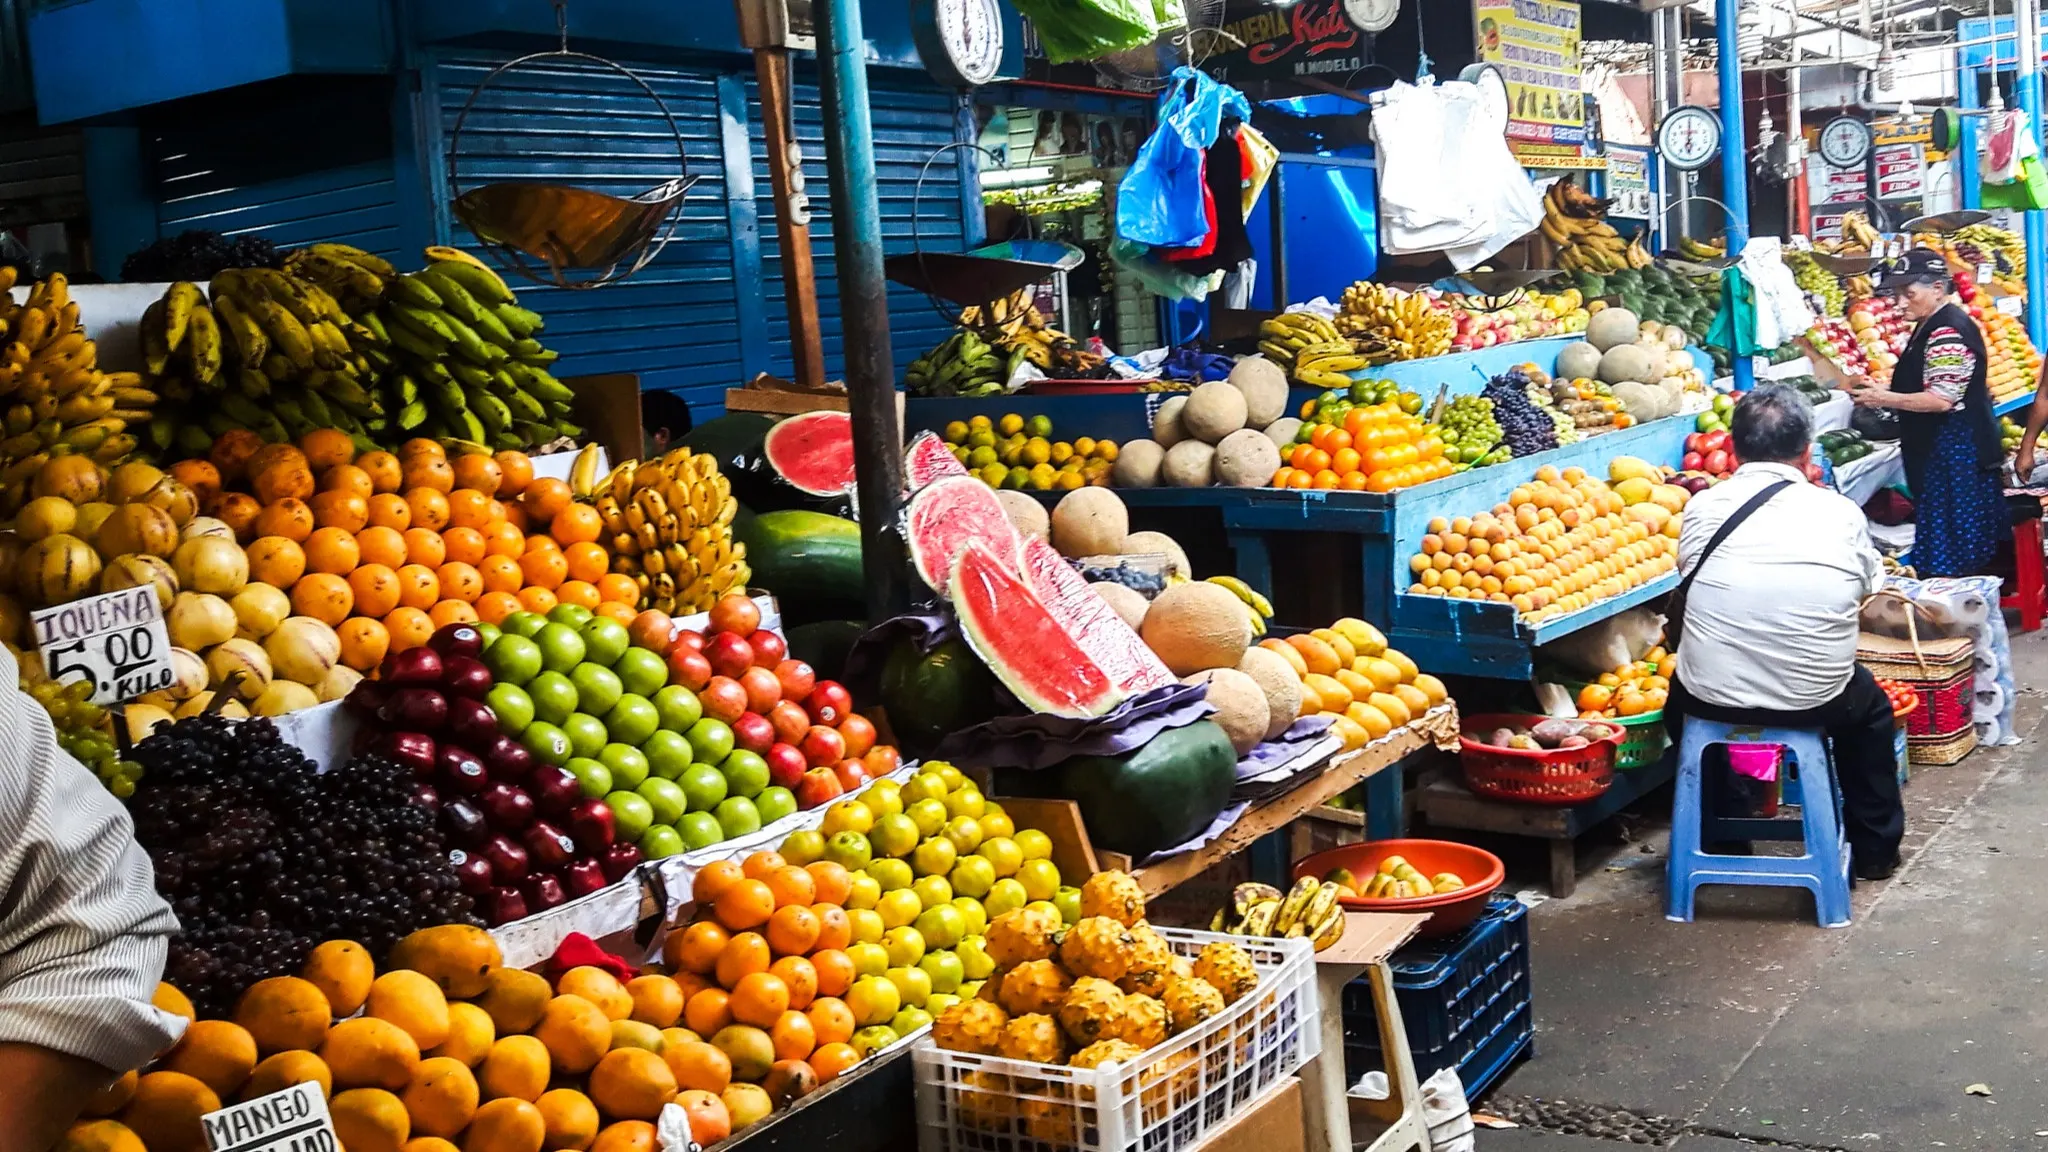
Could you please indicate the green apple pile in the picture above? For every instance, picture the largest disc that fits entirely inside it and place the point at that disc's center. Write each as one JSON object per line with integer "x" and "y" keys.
{"x": 583, "y": 694}
{"x": 933, "y": 863}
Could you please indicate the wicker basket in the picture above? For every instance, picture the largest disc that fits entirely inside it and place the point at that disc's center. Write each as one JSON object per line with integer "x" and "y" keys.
{"x": 1941, "y": 751}
{"x": 1943, "y": 675}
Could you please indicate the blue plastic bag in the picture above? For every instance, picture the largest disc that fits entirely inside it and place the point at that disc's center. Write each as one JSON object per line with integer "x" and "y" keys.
{"x": 1160, "y": 202}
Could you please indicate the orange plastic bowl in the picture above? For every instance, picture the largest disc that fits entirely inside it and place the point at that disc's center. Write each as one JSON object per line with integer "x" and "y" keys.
{"x": 1450, "y": 912}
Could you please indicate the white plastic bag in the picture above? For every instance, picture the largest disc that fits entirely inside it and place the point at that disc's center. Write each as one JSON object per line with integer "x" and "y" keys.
{"x": 1609, "y": 644}
{"x": 1447, "y": 179}
{"x": 1444, "y": 1107}
{"x": 1781, "y": 308}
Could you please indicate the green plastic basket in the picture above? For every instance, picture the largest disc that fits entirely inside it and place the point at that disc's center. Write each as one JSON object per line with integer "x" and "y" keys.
{"x": 1643, "y": 740}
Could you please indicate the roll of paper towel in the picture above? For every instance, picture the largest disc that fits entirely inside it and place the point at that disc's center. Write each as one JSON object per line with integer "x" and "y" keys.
{"x": 1989, "y": 704}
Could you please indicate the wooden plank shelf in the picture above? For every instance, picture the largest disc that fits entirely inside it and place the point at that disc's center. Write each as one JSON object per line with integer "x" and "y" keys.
{"x": 1383, "y": 758}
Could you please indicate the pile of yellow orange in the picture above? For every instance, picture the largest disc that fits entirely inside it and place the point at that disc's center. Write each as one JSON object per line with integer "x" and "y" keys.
{"x": 1377, "y": 448}
{"x": 385, "y": 548}
{"x": 1634, "y": 689}
{"x": 1560, "y": 543}
{"x": 1347, "y": 671}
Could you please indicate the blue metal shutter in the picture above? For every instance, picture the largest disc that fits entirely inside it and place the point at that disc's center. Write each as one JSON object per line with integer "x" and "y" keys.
{"x": 675, "y": 323}
{"x": 912, "y": 121}
{"x": 258, "y": 160}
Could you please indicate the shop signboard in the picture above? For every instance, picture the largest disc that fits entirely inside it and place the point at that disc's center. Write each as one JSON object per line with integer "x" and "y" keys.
{"x": 1535, "y": 44}
{"x": 1901, "y": 175}
{"x": 1628, "y": 182}
{"x": 1843, "y": 183}
{"x": 1827, "y": 218}
{"x": 1311, "y": 39}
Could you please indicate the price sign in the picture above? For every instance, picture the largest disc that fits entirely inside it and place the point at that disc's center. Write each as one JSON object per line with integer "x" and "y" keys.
{"x": 294, "y": 1119}
{"x": 2012, "y": 305}
{"x": 116, "y": 640}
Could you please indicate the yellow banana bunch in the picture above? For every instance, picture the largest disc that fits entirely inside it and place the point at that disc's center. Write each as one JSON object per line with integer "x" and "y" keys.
{"x": 1386, "y": 324}
{"x": 54, "y": 400}
{"x": 670, "y": 523}
{"x": 1309, "y": 349}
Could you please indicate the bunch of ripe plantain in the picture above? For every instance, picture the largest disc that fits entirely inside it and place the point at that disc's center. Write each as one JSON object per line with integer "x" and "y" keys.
{"x": 1576, "y": 222}
{"x": 1309, "y": 909}
{"x": 1014, "y": 325}
{"x": 56, "y": 401}
{"x": 1257, "y": 608}
{"x": 1386, "y": 324}
{"x": 1309, "y": 349}
{"x": 670, "y": 527}
{"x": 264, "y": 350}
{"x": 464, "y": 361}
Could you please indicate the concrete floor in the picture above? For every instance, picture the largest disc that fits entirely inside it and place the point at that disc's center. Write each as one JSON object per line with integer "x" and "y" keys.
{"x": 1753, "y": 1027}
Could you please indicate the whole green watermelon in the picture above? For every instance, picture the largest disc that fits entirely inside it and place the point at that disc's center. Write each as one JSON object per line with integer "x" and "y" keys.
{"x": 931, "y": 695}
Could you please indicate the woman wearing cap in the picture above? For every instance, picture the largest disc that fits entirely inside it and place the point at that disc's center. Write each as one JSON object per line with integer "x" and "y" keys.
{"x": 1946, "y": 427}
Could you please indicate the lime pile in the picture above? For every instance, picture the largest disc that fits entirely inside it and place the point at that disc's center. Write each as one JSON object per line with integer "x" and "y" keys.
{"x": 1015, "y": 451}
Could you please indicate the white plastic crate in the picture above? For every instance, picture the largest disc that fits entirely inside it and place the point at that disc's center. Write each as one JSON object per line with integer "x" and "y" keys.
{"x": 1165, "y": 1100}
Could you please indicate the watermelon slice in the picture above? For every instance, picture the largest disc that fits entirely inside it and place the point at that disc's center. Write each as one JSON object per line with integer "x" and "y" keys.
{"x": 1090, "y": 620}
{"x": 948, "y": 514}
{"x": 928, "y": 459}
{"x": 814, "y": 452}
{"x": 1025, "y": 645}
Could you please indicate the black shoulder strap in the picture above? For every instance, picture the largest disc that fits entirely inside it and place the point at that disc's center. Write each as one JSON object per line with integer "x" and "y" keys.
{"x": 1752, "y": 504}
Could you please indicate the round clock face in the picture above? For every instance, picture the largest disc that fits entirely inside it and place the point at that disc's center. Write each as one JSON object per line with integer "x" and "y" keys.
{"x": 972, "y": 33}
{"x": 1372, "y": 15}
{"x": 1689, "y": 137}
{"x": 1845, "y": 142}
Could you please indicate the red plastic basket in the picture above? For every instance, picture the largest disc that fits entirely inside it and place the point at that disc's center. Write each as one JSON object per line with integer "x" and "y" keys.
{"x": 1560, "y": 776}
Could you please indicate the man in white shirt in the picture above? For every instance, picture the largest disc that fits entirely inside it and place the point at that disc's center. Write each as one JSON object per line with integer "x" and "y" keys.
{"x": 1771, "y": 619}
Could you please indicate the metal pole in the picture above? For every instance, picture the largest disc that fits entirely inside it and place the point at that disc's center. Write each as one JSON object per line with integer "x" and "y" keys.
{"x": 1659, "y": 108}
{"x": 2027, "y": 14}
{"x": 863, "y": 301}
{"x": 1963, "y": 161}
{"x": 1276, "y": 203}
{"x": 1795, "y": 146}
{"x": 1734, "y": 154}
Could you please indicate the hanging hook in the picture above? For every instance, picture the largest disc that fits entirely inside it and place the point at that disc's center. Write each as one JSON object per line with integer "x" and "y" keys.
{"x": 562, "y": 22}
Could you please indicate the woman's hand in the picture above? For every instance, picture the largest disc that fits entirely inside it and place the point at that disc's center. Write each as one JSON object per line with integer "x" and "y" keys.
{"x": 1872, "y": 395}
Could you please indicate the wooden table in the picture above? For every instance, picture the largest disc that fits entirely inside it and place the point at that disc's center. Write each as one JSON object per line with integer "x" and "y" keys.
{"x": 1446, "y": 803}
{"x": 1378, "y": 764}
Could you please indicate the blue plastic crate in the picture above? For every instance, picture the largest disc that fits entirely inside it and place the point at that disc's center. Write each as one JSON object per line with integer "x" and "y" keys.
{"x": 1465, "y": 1002}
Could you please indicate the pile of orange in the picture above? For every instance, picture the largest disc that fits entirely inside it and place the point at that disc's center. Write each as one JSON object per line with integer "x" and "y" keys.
{"x": 772, "y": 984}
{"x": 1560, "y": 543}
{"x": 1377, "y": 448}
{"x": 445, "y": 1049}
{"x": 1634, "y": 689}
{"x": 385, "y": 548}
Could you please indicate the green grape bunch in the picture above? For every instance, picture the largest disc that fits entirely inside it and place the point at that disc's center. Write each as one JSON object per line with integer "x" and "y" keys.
{"x": 1471, "y": 435}
{"x": 85, "y": 731}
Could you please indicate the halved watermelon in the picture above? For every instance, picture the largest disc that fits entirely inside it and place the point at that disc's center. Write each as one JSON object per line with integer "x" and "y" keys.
{"x": 813, "y": 451}
{"x": 1091, "y": 621}
{"x": 948, "y": 514}
{"x": 928, "y": 459}
{"x": 1024, "y": 644}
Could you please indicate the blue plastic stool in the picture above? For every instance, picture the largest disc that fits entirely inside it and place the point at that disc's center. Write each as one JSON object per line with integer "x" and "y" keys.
{"x": 1822, "y": 870}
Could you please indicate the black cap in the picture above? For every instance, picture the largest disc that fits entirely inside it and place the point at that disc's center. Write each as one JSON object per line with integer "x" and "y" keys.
{"x": 1917, "y": 266}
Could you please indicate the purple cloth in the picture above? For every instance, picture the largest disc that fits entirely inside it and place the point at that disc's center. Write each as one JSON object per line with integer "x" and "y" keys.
{"x": 1031, "y": 740}
{"x": 1217, "y": 827}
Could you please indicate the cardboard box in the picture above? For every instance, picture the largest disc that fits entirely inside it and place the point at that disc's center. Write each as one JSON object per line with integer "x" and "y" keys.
{"x": 1272, "y": 1124}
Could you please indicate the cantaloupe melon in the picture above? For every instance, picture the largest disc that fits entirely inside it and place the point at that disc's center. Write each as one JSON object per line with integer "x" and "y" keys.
{"x": 1265, "y": 389}
{"x": 1128, "y": 603}
{"x": 1141, "y": 543}
{"x": 1090, "y": 522}
{"x": 1197, "y": 626}
{"x": 1277, "y": 679}
{"x": 1241, "y": 707}
{"x": 1282, "y": 431}
{"x": 1026, "y": 513}
{"x": 1626, "y": 362}
{"x": 1610, "y": 327}
{"x": 1578, "y": 361}
{"x": 1190, "y": 464}
{"x": 1214, "y": 410}
{"x": 1246, "y": 459}
{"x": 1166, "y": 426}
{"x": 1137, "y": 464}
